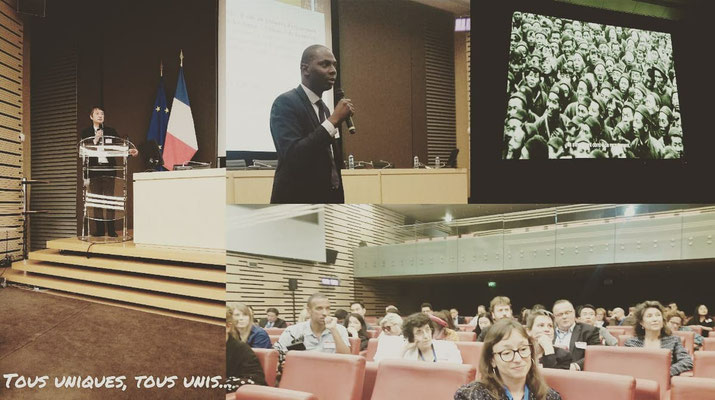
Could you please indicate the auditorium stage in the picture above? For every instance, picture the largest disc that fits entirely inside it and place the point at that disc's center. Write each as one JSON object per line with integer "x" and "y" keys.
{"x": 180, "y": 281}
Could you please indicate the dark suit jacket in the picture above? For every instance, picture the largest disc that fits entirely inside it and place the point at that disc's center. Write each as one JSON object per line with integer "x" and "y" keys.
{"x": 89, "y": 132}
{"x": 303, "y": 146}
{"x": 278, "y": 324}
{"x": 582, "y": 333}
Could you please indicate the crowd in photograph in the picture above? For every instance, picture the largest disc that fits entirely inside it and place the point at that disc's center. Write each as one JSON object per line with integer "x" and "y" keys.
{"x": 513, "y": 345}
{"x": 587, "y": 90}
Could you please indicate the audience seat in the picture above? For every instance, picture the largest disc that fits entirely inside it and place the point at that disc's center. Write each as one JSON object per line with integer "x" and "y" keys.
{"x": 373, "y": 333}
{"x": 628, "y": 329}
{"x": 688, "y": 339}
{"x": 704, "y": 364}
{"x": 274, "y": 331}
{"x": 468, "y": 319}
{"x": 269, "y": 361}
{"x": 465, "y": 328}
{"x": 471, "y": 352}
{"x": 622, "y": 339}
{"x": 650, "y": 367}
{"x": 354, "y": 345}
{"x": 583, "y": 385}
{"x": 255, "y": 392}
{"x": 404, "y": 379}
{"x": 697, "y": 329}
{"x": 467, "y": 336}
{"x": 616, "y": 331}
{"x": 369, "y": 382}
{"x": 711, "y": 334}
{"x": 708, "y": 344}
{"x": 274, "y": 338}
{"x": 371, "y": 349}
{"x": 371, "y": 320}
{"x": 328, "y": 376}
{"x": 692, "y": 388}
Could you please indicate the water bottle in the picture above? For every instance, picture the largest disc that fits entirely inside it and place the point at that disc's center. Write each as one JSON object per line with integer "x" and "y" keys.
{"x": 417, "y": 162}
{"x": 351, "y": 162}
{"x": 437, "y": 164}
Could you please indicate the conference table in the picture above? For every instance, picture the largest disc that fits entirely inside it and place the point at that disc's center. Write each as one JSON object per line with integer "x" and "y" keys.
{"x": 364, "y": 186}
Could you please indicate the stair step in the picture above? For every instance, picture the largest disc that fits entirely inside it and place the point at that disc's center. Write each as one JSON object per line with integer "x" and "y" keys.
{"x": 200, "y": 290}
{"x": 138, "y": 266}
{"x": 153, "y": 299}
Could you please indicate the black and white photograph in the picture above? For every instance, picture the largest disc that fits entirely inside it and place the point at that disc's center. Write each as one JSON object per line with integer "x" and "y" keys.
{"x": 586, "y": 90}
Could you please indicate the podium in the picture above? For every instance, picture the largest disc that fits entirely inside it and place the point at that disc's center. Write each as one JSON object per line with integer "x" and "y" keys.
{"x": 104, "y": 188}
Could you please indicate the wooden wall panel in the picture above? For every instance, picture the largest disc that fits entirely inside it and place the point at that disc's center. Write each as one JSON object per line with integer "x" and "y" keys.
{"x": 11, "y": 109}
{"x": 439, "y": 89}
{"x": 262, "y": 282}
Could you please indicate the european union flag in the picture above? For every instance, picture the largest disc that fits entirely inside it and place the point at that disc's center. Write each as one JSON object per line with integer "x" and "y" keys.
{"x": 159, "y": 117}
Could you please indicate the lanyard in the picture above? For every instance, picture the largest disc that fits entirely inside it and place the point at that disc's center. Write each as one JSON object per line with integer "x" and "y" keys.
{"x": 510, "y": 397}
{"x": 434, "y": 353}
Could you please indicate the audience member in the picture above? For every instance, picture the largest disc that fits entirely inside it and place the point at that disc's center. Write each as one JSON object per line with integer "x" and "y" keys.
{"x": 674, "y": 319}
{"x": 500, "y": 308}
{"x": 391, "y": 325}
{"x": 359, "y": 308}
{"x": 341, "y": 315}
{"x": 441, "y": 329}
{"x": 630, "y": 319}
{"x": 524, "y": 315}
{"x": 571, "y": 335}
{"x": 248, "y": 332}
{"x": 484, "y": 320}
{"x": 506, "y": 368}
{"x": 392, "y": 309}
{"x": 390, "y": 342}
{"x": 418, "y": 329}
{"x": 540, "y": 327}
{"x": 618, "y": 315}
{"x": 456, "y": 318}
{"x": 702, "y": 318}
{"x": 601, "y": 317}
{"x": 242, "y": 365}
{"x": 355, "y": 324}
{"x": 673, "y": 306}
{"x": 426, "y": 308}
{"x": 320, "y": 332}
{"x": 587, "y": 315}
{"x": 652, "y": 332}
{"x": 272, "y": 320}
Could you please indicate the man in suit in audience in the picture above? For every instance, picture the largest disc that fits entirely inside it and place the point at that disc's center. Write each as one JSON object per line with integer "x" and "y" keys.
{"x": 272, "y": 320}
{"x": 500, "y": 308}
{"x": 458, "y": 319}
{"x": 571, "y": 335}
{"x": 321, "y": 332}
{"x": 306, "y": 135}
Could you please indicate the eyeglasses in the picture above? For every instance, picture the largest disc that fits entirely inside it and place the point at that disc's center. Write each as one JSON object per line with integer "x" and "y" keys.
{"x": 386, "y": 328}
{"x": 569, "y": 312}
{"x": 508, "y": 355}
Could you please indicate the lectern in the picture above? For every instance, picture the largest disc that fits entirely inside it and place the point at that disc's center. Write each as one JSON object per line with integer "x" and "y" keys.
{"x": 104, "y": 189}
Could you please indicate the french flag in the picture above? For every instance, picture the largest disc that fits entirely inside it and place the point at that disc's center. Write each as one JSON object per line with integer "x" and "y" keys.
{"x": 180, "y": 144}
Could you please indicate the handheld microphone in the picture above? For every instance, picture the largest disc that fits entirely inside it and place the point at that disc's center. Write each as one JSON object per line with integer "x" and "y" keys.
{"x": 339, "y": 94}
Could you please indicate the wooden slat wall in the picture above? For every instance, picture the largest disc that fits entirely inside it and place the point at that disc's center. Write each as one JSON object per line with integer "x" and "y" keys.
{"x": 54, "y": 137}
{"x": 439, "y": 91}
{"x": 11, "y": 109}
{"x": 262, "y": 282}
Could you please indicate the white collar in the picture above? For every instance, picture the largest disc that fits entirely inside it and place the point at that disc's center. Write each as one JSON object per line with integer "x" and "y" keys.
{"x": 311, "y": 95}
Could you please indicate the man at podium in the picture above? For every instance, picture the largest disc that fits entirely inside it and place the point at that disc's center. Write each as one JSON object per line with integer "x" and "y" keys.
{"x": 102, "y": 182}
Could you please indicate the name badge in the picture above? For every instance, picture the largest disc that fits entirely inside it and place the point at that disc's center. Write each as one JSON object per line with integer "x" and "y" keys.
{"x": 580, "y": 345}
{"x": 108, "y": 141}
{"x": 329, "y": 345}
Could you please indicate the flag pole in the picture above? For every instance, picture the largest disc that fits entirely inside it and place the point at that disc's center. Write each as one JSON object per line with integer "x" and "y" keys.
{"x": 181, "y": 58}
{"x": 161, "y": 68}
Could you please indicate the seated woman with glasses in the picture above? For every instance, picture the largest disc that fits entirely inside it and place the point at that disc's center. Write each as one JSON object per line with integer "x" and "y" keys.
{"x": 540, "y": 327}
{"x": 418, "y": 329}
{"x": 652, "y": 332}
{"x": 506, "y": 368}
{"x": 391, "y": 325}
{"x": 390, "y": 342}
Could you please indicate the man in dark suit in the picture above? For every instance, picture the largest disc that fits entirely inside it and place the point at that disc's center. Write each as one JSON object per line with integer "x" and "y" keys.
{"x": 571, "y": 335}
{"x": 458, "y": 319}
{"x": 102, "y": 182}
{"x": 306, "y": 136}
{"x": 272, "y": 320}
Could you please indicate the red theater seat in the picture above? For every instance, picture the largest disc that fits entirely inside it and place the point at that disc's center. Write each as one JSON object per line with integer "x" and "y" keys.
{"x": 471, "y": 352}
{"x": 696, "y": 328}
{"x": 468, "y": 319}
{"x": 369, "y": 383}
{"x": 255, "y": 392}
{"x": 371, "y": 320}
{"x": 328, "y": 376}
{"x": 373, "y": 333}
{"x": 708, "y": 344}
{"x": 711, "y": 334}
{"x": 704, "y": 364}
{"x": 467, "y": 336}
{"x": 688, "y": 339}
{"x": 583, "y": 385}
{"x": 371, "y": 349}
{"x": 616, "y": 331}
{"x": 274, "y": 331}
{"x": 622, "y": 339}
{"x": 274, "y": 338}
{"x": 354, "y": 345}
{"x": 692, "y": 388}
{"x": 650, "y": 367}
{"x": 403, "y": 379}
{"x": 628, "y": 329}
{"x": 269, "y": 361}
{"x": 465, "y": 328}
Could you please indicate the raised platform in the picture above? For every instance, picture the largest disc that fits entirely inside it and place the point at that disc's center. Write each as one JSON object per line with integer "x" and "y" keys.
{"x": 181, "y": 280}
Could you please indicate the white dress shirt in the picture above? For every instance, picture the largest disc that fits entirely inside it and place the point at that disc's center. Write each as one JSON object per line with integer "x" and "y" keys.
{"x": 332, "y": 130}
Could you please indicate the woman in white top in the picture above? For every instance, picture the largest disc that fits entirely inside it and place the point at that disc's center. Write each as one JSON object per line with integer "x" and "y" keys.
{"x": 417, "y": 329}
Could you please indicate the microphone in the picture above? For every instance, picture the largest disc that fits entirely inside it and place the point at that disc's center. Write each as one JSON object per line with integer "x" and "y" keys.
{"x": 339, "y": 94}
{"x": 101, "y": 128}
